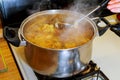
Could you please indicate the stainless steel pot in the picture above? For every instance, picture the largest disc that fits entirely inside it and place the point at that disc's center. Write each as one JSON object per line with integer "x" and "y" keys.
{"x": 57, "y": 62}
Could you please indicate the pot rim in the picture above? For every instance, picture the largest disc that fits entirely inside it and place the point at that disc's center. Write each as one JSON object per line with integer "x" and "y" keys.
{"x": 21, "y": 29}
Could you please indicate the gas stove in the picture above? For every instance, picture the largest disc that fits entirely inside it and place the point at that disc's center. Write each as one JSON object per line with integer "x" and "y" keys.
{"x": 91, "y": 72}
{"x": 105, "y": 55}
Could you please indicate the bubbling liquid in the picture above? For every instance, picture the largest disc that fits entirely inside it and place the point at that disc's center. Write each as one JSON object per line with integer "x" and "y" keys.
{"x": 43, "y": 32}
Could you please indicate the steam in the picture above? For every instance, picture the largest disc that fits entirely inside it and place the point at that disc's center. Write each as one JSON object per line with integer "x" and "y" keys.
{"x": 84, "y": 31}
{"x": 84, "y": 6}
{"x": 81, "y": 6}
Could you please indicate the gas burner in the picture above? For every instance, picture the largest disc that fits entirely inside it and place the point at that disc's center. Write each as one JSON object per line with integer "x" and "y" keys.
{"x": 92, "y": 72}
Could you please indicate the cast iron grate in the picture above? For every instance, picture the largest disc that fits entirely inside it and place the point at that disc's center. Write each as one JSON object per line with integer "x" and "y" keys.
{"x": 92, "y": 72}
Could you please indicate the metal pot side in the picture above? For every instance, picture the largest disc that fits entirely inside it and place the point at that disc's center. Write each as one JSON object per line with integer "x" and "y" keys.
{"x": 57, "y": 62}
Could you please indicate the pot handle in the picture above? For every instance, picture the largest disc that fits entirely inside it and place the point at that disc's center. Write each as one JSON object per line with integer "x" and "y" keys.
{"x": 22, "y": 41}
{"x": 11, "y": 35}
{"x": 116, "y": 29}
{"x": 102, "y": 25}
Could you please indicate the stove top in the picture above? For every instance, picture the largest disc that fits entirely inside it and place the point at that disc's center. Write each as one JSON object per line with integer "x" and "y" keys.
{"x": 105, "y": 53}
{"x": 91, "y": 72}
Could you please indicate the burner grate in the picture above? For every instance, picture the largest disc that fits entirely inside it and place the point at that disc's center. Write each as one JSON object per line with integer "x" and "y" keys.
{"x": 92, "y": 72}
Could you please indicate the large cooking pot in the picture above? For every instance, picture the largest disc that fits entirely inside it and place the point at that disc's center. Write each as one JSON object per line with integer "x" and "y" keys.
{"x": 54, "y": 46}
{"x": 58, "y": 61}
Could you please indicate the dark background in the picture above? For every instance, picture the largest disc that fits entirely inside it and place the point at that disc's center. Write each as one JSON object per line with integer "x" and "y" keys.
{"x": 15, "y": 11}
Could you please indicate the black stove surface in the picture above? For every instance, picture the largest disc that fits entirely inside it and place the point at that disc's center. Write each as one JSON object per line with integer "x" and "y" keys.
{"x": 92, "y": 72}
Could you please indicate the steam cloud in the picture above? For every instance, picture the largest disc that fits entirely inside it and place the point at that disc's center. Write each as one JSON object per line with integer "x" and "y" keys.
{"x": 81, "y": 6}
{"x": 84, "y": 6}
